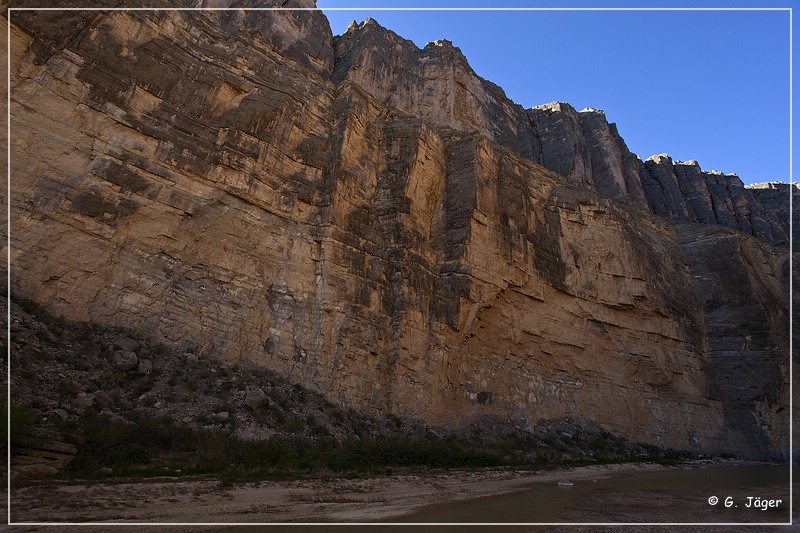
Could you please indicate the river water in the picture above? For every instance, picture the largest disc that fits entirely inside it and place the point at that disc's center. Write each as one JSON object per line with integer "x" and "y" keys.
{"x": 674, "y": 495}
{"x": 667, "y": 496}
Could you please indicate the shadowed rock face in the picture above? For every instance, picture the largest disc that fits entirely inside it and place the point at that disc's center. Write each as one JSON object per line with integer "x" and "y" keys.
{"x": 378, "y": 223}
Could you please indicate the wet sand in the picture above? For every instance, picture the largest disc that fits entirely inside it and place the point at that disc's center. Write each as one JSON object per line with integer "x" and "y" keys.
{"x": 335, "y": 500}
{"x": 304, "y": 501}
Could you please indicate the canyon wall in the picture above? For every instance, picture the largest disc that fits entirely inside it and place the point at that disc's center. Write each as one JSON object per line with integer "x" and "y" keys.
{"x": 379, "y": 223}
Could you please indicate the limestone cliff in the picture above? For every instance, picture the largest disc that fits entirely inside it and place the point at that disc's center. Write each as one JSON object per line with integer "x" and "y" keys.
{"x": 438, "y": 85}
{"x": 379, "y": 223}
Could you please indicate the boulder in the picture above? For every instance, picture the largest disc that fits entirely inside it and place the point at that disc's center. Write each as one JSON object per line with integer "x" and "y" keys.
{"x": 255, "y": 398}
{"x": 145, "y": 367}
{"x": 127, "y": 344}
{"x": 83, "y": 401}
{"x": 125, "y": 360}
{"x": 37, "y": 470}
{"x": 102, "y": 399}
{"x": 58, "y": 417}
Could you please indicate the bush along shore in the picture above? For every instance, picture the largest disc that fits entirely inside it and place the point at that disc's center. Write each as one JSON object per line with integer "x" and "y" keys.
{"x": 92, "y": 402}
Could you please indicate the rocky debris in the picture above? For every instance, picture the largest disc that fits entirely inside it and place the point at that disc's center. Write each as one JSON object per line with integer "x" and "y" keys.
{"x": 144, "y": 367}
{"x": 198, "y": 396}
{"x": 253, "y": 433}
{"x": 284, "y": 410}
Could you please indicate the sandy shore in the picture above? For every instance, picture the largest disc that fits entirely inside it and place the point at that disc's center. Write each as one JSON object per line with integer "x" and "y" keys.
{"x": 335, "y": 500}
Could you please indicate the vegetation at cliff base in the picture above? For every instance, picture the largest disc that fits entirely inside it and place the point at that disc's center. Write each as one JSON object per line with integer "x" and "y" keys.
{"x": 130, "y": 406}
{"x": 159, "y": 446}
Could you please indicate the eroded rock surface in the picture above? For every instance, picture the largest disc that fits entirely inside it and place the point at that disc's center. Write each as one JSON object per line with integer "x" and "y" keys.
{"x": 380, "y": 224}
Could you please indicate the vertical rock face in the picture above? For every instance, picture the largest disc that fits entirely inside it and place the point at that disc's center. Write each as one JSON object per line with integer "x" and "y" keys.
{"x": 561, "y": 146}
{"x": 769, "y": 211}
{"x": 743, "y": 288}
{"x": 435, "y": 83}
{"x": 615, "y": 171}
{"x": 438, "y": 85}
{"x": 378, "y": 223}
{"x": 681, "y": 191}
{"x": 166, "y": 155}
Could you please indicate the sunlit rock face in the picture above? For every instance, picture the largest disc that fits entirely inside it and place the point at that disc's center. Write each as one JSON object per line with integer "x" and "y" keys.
{"x": 377, "y": 222}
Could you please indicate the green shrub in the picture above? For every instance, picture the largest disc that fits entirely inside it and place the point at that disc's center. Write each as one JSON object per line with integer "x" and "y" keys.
{"x": 21, "y": 420}
{"x": 599, "y": 444}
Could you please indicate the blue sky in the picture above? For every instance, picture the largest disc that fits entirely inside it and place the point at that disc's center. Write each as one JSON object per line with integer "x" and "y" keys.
{"x": 706, "y": 85}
